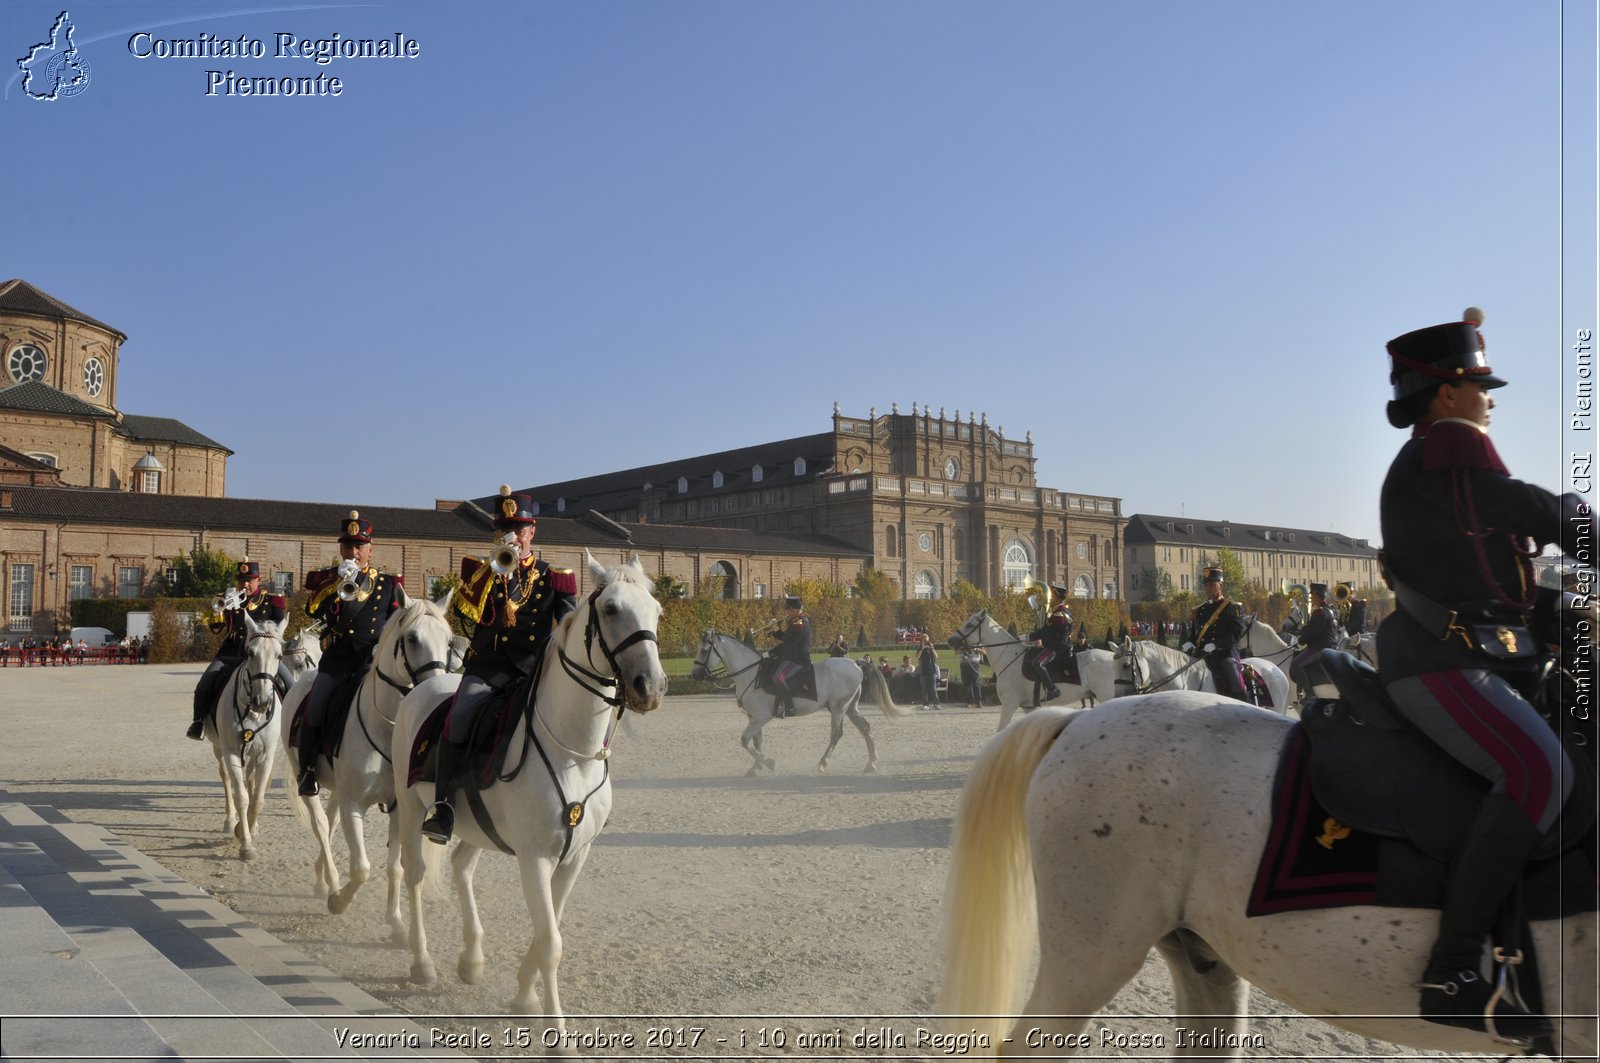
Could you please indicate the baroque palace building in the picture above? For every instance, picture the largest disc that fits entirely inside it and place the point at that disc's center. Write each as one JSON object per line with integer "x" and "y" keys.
{"x": 930, "y": 499}
{"x": 1169, "y": 553}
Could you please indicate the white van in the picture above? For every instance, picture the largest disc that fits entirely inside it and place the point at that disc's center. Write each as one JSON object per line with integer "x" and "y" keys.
{"x": 93, "y": 637}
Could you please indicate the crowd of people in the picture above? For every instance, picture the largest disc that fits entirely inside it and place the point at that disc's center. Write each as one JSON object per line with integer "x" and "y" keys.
{"x": 29, "y": 651}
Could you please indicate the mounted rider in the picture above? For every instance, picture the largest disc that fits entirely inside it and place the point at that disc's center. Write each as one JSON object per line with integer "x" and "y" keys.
{"x": 1054, "y": 638}
{"x": 1319, "y": 632}
{"x": 512, "y": 602}
{"x": 1458, "y": 658}
{"x": 353, "y": 601}
{"x": 1354, "y": 610}
{"x": 789, "y": 659}
{"x": 1216, "y": 628}
{"x": 228, "y": 613}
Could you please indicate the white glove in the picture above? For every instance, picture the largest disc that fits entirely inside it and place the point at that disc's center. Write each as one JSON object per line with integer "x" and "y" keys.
{"x": 509, "y": 539}
{"x": 1188, "y": 647}
{"x": 348, "y": 569}
{"x": 232, "y": 599}
{"x": 1210, "y": 647}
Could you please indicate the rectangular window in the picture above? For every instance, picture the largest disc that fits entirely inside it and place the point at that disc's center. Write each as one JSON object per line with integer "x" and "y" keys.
{"x": 283, "y": 583}
{"x": 150, "y": 482}
{"x": 761, "y": 590}
{"x": 22, "y": 597}
{"x": 80, "y": 583}
{"x": 130, "y": 581}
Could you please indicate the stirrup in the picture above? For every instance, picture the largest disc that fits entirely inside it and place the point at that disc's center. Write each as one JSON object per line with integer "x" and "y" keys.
{"x": 1494, "y": 1012}
{"x": 308, "y": 782}
{"x": 440, "y": 823}
{"x": 197, "y": 731}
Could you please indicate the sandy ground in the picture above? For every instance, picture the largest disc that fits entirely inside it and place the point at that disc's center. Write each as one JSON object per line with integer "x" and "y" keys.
{"x": 795, "y": 901}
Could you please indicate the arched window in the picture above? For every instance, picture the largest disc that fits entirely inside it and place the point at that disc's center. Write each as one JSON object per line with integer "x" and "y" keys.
{"x": 724, "y": 573}
{"x": 1082, "y": 588}
{"x": 1016, "y": 565}
{"x": 755, "y": 474}
{"x": 1109, "y": 590}
{"x": 799, "y": 466}
{"x": 926, "y": 585}
{"x": 683, "y": 486}
{"x": 889, "y": 540}
{"x": 716, "y": 478}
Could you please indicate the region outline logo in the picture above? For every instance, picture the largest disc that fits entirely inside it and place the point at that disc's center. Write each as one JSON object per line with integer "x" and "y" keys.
{"x": 65, "y": 72}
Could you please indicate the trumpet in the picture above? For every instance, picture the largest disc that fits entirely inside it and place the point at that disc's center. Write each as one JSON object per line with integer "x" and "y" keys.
{"x": 503, "y": 562}
{"x": 351, "y": 589}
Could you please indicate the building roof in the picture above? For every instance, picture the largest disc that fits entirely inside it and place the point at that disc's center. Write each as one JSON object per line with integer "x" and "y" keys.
{"x": 465, "y": 522}
{"x": 622, "y": 488}
{"x": 38, "y": 397}
{"x": 17, "y": 296}
{"x": 1222, "y": 534}
{"x": 165, "y": 430}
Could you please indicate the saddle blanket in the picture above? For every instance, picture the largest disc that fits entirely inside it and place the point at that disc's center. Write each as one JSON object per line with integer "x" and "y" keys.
{"x": 487, "y": 746}
{"x": 1311, "y": 860}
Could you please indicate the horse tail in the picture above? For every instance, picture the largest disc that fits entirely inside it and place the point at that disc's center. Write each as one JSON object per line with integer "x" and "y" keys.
{"x": 989, "y": 910}
{"x": 880, "y": 690}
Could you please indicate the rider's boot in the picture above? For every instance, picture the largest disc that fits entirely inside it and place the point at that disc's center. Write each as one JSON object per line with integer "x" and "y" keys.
{"x": 1050, "y": 695}
{"x": 1486, "y": 869}
{"x": 202, "y": 705}
{"x": 785, "y": 703}
{"x": 307, "y": 749}
{"x": 441, "y": 819}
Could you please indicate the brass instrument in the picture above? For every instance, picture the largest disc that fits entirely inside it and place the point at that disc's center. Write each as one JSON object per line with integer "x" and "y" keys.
{"x": 1344, "y": 595}
{"x": 354, "y": 589}
{"x": 503, "y": 562}
{"x": 1031, "y": 587}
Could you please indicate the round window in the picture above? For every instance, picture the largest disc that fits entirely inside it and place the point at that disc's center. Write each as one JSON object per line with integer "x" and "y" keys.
{"x": 925, "y": 541}
{"x": 94, "y": 377}
{"x": 951, "y": 469}
{"x": 1083, "y": 551}
{"x": 26, "y": 363}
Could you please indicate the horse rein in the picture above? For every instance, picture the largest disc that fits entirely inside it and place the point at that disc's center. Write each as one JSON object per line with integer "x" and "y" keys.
{"x": 1156, "y": 684}
{"x": 967, "y": 645}
{"x": 593, "y": 634}
{"x": 413, "y": 673}
{"x": 248, "y": 734}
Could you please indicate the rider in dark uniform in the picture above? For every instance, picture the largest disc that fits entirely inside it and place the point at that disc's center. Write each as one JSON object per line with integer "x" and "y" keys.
{"x": 511, "y": 610}
{"x": 1355, "y": 620}
{"x": 1053, "y": 637}
{"x": 1319, "y": 632}
{"x": 353, "y": 600}
{"x": 1214, "y": 633}
{"x": 1457, "y": 656}
{"x": 790, "y": 655}
{"x": 262, "y": 607}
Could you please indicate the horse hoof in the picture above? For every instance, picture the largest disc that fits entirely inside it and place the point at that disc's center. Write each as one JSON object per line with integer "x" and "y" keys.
{"x": 422, "y": 973}
{"x": 470, "y": 972}
{"x": 247, "y": 852}
{"x": 870, "y": 769}
{"x": 821, "y": 769}
{"x": 338, "y": 902}
{"x": 772, "y": 765}
{"x": 751, "y": 774}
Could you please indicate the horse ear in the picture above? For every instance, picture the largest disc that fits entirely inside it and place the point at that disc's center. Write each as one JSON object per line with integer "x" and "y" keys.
{"x": 404, "y": 599}
{"x": 633, "y": 562}
{"x": 597, "y": 571}
{"x": 444, "y": 603}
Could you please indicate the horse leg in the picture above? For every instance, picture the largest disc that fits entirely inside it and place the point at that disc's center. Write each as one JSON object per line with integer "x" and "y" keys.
{"x": 561, "y": 883}
{"x": 409, "y": 810}
{"x": 260, "y": 779}
{"x": 229, "y": 813}
{"x": 544, "y": 951}
{"x": 463, "y": 865}
{"x": 1209, "y": 996}
{"x": 353, "y": 818}
{"x": 239, "y": 802}
{"x": 751, "y": 741}
{"x": 835, "y": 732}
{"x": 866, "y": 733}
{"x": 397, "y": 925}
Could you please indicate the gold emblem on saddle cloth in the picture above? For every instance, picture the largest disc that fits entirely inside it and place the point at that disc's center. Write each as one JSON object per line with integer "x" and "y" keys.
{"x": 1507, "y": 637}
{"x": 574, "y": 814}
{"x": 1332, "y": 831}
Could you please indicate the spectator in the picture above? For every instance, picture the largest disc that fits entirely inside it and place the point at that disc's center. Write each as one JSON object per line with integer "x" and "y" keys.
{"x": 840, "y": 647}
{"x": 928, "y": 672}
{"x": 972, "y": 676}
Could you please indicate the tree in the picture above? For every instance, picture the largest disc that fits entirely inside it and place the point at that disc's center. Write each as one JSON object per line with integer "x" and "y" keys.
{"x": 962, "y": 591}
{"x": 665, "y": 588}
{"x": 1232, "y": 566}
{"x": 1159, "y": 581}
{"x": 205, "y": 573}
{"x": 874, "y": 586}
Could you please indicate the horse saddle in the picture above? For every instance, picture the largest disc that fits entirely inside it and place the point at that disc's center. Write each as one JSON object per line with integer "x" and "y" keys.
{"x": 488, "y": 739}
{"x": 803, "y": 684}
{"x": 1373, "y": 771}
{"x": 1042, "y": 664}
{"x": 330, "y": 739}
{"x": 1255, "y": 687}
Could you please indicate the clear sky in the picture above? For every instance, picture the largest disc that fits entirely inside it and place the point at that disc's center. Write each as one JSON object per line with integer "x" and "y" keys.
{"x": 1169, "y": 238}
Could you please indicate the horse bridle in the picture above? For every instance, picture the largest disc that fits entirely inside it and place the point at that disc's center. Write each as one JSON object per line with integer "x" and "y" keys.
{"x": 967, "y": 645}
{"x": 728, "y": 672}
{"x": 593, "y": 634}
{"x": 413, "y": 673}
{"x": 247, "y": 734}
{"x": 1134, "y": 670}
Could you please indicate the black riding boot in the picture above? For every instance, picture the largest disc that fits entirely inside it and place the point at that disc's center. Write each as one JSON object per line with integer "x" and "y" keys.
{"x": 441, "y": 821}
{"x": 1050, "y": 695}
{"x": 784, "y": 708}
{"x": 1485, "y": 871}
{"x": 308, "y": 758}
{"x": 204, "y": 692}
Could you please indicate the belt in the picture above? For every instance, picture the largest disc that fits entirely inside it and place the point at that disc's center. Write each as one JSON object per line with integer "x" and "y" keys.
{"x": 1441, "y": 621}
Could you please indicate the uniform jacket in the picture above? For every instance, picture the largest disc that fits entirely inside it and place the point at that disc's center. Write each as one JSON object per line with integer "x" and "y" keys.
{"x": 795, "y": 642}
{"x": 1225, "y": 630}
{"x": 1056, "y": 634}
{"x": 1451, "y": 515}
{"x": 1321, "y": 631}
{"x": 262, "y": 607}
{"x": 508, "y": 640}
{"x": 353, "y": 627}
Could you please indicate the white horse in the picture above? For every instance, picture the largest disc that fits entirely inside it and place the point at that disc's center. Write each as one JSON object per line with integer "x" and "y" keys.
{"x": 414, "y": 645}
{"x": 301, "y": 654}
{"x": 244, "y": 731}
{"x": 839, "y": 683}
{"x": 599, "y": 660}
{"x": 1144, "y": 666}
{"x": 1056, "y": 842}
{"x": 1261, "y": 641}
{"x": 1097, "y": 668}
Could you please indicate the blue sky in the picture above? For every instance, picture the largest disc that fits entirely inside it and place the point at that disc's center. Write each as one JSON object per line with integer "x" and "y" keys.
{"x": 1168, "y": 238}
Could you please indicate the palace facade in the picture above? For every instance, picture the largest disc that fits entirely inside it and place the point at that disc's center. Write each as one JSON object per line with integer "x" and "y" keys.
{"x": 930, "y": 499}
{"x": 1169, "y": 553}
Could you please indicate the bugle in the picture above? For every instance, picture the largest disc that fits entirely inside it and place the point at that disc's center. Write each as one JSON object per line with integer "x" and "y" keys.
{"x": 351, "y": 589}
{"x": 503, "y": 562}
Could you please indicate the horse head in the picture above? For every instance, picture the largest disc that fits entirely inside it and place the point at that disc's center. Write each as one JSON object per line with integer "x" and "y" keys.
{"x": 973, "y": 625}
{"x": 263, "y": 650}
{"x": 418, "y": 638}
{"x": 623, "y": 617}
{"x": 702, "y": 655}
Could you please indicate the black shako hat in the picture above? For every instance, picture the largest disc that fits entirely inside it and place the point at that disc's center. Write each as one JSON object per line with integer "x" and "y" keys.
{"x": 1420, "y": 361}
